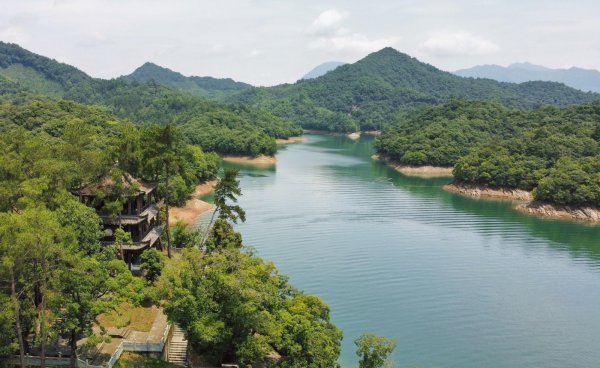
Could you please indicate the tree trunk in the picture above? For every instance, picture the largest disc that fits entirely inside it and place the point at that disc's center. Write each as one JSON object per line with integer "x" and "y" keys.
{"x": 15, "y": 299}
{"x": 167, "y": 214}
{"x": 43, "y": 291}
{"x": 73, "y": 344}
{"x": 43, "y": 331}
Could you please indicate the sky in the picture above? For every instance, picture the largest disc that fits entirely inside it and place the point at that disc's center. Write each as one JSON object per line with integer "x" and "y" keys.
{"x": 267, "y": 42}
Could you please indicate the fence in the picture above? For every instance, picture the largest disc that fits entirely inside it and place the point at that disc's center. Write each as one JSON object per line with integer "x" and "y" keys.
{"x": 53, "y": 362}
{"x": 145, "y": 347}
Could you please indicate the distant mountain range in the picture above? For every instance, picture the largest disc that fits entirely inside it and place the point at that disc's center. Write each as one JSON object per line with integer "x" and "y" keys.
{"x": 323, "y": 69}
{"x": 364, "y": 95}
{"x": 208, "y": 87}
{"x": 369, "y": 93}
{"x": 583, "y": 79}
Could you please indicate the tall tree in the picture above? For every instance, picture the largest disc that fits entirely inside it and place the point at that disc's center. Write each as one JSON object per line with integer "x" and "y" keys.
{"x": 374, "y": 351}
{"x": 226, "y": 208}
{"x": 164, "y": 158}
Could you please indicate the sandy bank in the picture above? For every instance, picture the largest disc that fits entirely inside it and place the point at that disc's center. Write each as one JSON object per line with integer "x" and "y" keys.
{"x": 351, "y": 135}
{"x": 420, "y": 171}
{"x": 290, "y": 140}
{"x": 194, "y": 207}
{"x": 261, "y": 160}
{"x": 477, "y": 191}
{"x": 372, "y": 132}
{"x": 584, "y": 213}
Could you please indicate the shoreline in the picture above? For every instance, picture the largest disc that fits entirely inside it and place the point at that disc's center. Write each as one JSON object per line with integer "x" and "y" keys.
{"x": 261, "y": 160}
{"x": 528, "y": 205}
{"x": 560, "y": 212}
{"x": 478, "y": 191}
{"x": 419, "y": 171}
{"x": 290, "y": 140}
{"x": 351, "y": 135}
{"x": 193, "y": 207}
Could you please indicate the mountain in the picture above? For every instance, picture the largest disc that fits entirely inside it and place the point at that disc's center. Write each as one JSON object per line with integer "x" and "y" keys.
{"x": 207, "y": 87}
{"x": 583, "y": 79}
{"x": 244, "y": 130}
{"x": 373, "y": 91}
{"x": 37, "y": 73}
{"x": 323, "y": 69}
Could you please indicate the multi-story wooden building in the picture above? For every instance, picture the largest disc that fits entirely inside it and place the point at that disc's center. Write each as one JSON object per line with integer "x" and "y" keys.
{"x": 139, "y": 214}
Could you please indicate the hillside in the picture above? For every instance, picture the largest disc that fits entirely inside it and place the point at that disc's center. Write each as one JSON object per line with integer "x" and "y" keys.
{"x": 583, "y": 79}
{"x": 206, "y": 87}
{"x": 225, "y": 129}
{"x": 554, "y": 152}
{"x": 322, "y": 69}
{"x": 369, "y": 93}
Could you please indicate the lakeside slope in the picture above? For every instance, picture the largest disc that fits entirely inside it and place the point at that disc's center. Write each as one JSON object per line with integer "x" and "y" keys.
{"x": 420, "y": 171}
{"x": 194, "y": 207}
{"x": 529, "y": 206}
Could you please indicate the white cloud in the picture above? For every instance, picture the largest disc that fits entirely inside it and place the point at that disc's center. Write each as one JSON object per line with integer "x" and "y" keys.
{"x": 328, "y": 23}
{"x": 457, "y": 44}
{"x": 331, "y": 34}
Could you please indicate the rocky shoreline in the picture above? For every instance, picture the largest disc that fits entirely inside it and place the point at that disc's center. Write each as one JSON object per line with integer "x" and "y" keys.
{"x": 477, "y": 191}
{"x": 529, "y": 205}
{"x": 420, "y": 171}
{"x": 550, "y": 210}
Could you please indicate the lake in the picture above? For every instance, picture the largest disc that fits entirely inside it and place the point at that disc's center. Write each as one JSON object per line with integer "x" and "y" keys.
{"x": 458, "y": 282}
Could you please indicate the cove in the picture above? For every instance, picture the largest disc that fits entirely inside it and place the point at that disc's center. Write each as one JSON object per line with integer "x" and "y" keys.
{"x": 458, "y": 282}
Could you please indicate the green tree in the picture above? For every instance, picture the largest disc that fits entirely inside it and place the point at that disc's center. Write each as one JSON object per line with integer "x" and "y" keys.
{"x": 184, "y": 235}
{"x": 227, "y": 190}
{"x": 122, "y": 238}
{"x": 152, "y": 264}
{"x": 164, "y": 158}
{"x": 237, "y": 308}
{"x": 374, "y": 351}
{"x": 87, "y": 287}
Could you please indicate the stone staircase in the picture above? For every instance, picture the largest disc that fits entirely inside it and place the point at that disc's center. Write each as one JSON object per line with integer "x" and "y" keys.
{"x": 178, "y": 347}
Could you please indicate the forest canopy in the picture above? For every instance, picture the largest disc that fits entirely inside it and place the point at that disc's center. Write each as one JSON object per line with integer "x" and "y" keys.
{"x": 554, "y": 152}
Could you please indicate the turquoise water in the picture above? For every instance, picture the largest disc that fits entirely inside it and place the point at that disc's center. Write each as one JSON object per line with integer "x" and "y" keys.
{"x": 458, "y": 282}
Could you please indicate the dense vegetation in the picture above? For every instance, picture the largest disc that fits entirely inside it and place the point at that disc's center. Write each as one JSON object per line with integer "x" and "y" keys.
{"x": 206, "y": 87}
{"x": 56, "y": 278}
{"x": 237, "y": 130}
{"x": 554, "y": 152}
{"x": 369, "y": 93}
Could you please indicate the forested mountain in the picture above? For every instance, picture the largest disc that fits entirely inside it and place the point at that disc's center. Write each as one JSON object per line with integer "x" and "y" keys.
{"x": 583, "y": 79}
{"x": 554, "y": 152}
{"x": 207, "y": 87}
{"x": 368, "y": 93}
{"x": 322, "y": 69}
{"x": 225, "y": 129}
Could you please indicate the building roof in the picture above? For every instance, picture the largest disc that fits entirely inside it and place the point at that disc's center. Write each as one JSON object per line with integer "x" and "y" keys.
{"x": 105, "y": 184}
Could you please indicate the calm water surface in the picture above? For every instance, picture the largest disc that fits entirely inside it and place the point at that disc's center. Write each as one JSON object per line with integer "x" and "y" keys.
{"x": 457, "y": 282}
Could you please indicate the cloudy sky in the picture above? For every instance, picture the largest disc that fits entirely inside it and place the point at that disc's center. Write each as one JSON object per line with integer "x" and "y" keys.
{"x": 266, "y": 42}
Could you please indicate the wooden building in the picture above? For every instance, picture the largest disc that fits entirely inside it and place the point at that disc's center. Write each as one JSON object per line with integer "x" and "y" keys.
{"x": 139, "y": 214}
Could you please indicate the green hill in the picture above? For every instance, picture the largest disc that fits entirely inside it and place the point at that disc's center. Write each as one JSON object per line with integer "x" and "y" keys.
{"x": 553, "y": 151}
{"x": 368, "y": 93}
{"x": 222, "y": 128}
{"x": 206, "y": 87}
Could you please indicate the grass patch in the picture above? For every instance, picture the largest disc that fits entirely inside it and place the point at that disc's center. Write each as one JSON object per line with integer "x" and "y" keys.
{"x": 133, "y": 360}
{"x": 125, "y": 315}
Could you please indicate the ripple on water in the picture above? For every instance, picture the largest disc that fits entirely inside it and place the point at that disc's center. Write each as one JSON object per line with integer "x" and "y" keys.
{"x": 458, "y": 282}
